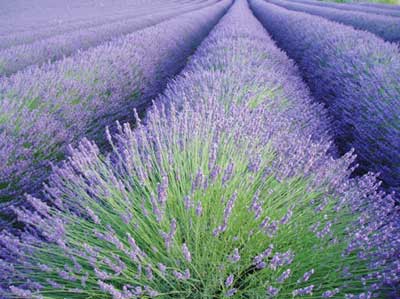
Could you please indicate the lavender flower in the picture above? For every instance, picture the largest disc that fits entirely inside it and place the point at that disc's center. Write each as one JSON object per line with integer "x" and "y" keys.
{"x": 37, "y": 24}
{"x": 20, "y": 292}
{"x": 149, "y": 273}
{"x": 330, "y": 293}
{"x": 162, "y": 268}
{"x": 169, "y": 236}
{"x": 281, "y": 259}
{"x": 384, "y": 26}
{"x": 229, "y": 280}
{"x": 285, "y": 275}
{"x": 93, "y": 216}
{"x": 186, "y": 253}
{"x": 304, "y": 291}
{"x": 231, "y": 292}
{"x": 44, "y": 109}
{"x": 272, "y": 292}
{"x": 199, "y": 209}
{"x": 56, "y": 47}
{"x": 182, "y": 276}
{"x": 307, "y": 275}
{"x": 188, "y": 204}
{"x": 235, "y": 256}
{"x": 353, "y": 72}
{"x": 227, "y": 213}
{"x": 241, "y": 92}
{"x": 375, "y": 8}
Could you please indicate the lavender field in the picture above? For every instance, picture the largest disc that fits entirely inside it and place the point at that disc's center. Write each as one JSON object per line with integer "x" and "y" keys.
{"x": 199, "y": 149}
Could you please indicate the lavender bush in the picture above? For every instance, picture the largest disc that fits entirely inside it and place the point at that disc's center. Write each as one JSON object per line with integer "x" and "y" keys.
{"x": 386, "y": 27}
{"x": 227, "y": 191}
{"x": 47, "y": 50}
{"x": 45, "y": 109}
{"x": 384, "y": 10}
{"x": 355, "y": 74}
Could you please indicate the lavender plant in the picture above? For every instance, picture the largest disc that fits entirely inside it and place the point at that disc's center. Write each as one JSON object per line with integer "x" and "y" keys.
{"x": 45, "y": 109}
{"x": 355, "y": 74}
{"x": 221, "y": 193}
{"x": 57, "y": 47}
{"x": 385, "y": 27}
{"x": 373, "y": 8}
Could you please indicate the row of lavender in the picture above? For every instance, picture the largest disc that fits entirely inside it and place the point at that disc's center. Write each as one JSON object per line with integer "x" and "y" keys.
{"x": 54, "y": 48}
{"x": 227, "y": 191}
{"x": 374, "y": 8}
{"x": 43, "y": 110}
{"x": 380, "y": 5}
{"x": 22, "y": 16}
{"x": 383, "y": 26}
{"x": 355, "y": 74}
{"x": 35, "y": 32}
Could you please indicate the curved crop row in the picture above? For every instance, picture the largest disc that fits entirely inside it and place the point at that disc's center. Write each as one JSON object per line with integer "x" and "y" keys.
{"x": 222, "y": 194}
{"x": 380, "y": 5}
{"x": 383, "y": 26}
{"x": 54, "y": 48}
{"x": 26, "y": 17}
{"x": 380, "y": 10}
{"x": 66, "y": 28}
{"x": 42, "y": 110}
{"x": 10, "y": 38}
{"x": 355, "y": 74}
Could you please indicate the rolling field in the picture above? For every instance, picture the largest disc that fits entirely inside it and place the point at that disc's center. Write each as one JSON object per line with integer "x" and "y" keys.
{"x": 199, "y": 149}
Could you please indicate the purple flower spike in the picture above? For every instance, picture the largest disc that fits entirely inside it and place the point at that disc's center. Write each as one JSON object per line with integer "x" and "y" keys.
{"x": 304, "y": 291}
{"x": 186, "y": 253}
{"x": 229, "y": 280}
{"x": 231, "y": 292}
{"x": 235, "y": 256}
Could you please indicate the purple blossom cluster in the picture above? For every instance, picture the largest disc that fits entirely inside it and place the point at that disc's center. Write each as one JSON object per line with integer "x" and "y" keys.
{"x": 355, "y": 74}
{"x": 373, "y": 8}
{"x": 42, "y": 110}
{"x": 56, "y": 47}
{"x": 238, "y": 132}
{"x": 385, "y": 27}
